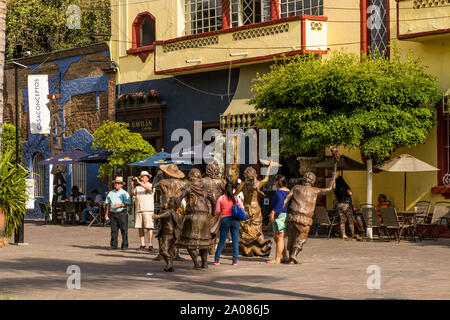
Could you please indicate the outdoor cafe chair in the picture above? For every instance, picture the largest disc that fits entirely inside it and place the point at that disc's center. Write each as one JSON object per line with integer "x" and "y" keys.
{"x": 441, "y": 213}
{"x": 45, "y": 211}
{"x": 423, "y": 210}
{"x": 422, "y": 207}
{"x": 390, "y": 221}
{"x": 371, "y": 218}
{"x": 69, "y": 209}
{"x": 322, "y": 219}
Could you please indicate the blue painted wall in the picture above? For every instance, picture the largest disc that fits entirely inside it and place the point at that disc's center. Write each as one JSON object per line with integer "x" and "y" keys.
{"x": 81, "y": 139}
{"x": 185, "y": 104}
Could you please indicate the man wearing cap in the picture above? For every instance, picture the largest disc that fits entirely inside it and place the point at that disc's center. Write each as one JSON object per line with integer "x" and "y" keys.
{"x": 117, "y": 202}
{"x": 144, "y": 208}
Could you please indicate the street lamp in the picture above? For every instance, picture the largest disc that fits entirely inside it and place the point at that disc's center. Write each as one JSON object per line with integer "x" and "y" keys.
{"x": 19, "y": 232}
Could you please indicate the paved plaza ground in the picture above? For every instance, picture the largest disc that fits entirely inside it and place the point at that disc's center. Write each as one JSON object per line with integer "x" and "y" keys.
{"x": 330, "y": 269}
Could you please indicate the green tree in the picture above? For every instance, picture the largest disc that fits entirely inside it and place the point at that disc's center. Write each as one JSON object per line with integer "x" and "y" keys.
{"x": 127, "y": 147}
{"x": 376, "y": 105}
{"x": 40, "y": 26}
{"x": 9, "y": 140}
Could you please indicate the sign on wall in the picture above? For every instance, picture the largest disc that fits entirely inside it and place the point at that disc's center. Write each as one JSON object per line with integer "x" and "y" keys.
{"x": 30, "y": 193}
{"x": 37, "y": 100}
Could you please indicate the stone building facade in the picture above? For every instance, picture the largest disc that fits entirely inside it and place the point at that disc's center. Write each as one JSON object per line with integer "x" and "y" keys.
{"x": 85, "y": 78}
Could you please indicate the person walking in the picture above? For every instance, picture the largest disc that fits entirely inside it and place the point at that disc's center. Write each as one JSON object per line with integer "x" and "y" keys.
{"x": 343, "y": 195}
{"x": 278, "y": 217}
{"x": 144, "y": 208}
{"x": 117, "y": 202}
{"x": 227, "y": 223}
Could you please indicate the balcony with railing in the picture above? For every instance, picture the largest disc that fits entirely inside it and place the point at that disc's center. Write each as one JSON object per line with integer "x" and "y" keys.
{"x": 420, "y": 19}
{"x": 242, "y": 45}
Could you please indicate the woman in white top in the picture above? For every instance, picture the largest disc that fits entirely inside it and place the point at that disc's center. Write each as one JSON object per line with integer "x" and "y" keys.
{"x": 143, "y": 209}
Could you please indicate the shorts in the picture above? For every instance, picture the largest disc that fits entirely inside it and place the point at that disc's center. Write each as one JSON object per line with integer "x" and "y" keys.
{"x": 275, "y": 225}
{"x": 144, "y": 220}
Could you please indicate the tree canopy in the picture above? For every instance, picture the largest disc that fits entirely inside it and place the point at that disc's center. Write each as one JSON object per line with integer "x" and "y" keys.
{"x": 376, "y": 105}
{"x": 9, "y": 140}
{"x": 40, "y": 26}
{"x": 127, "y": 146}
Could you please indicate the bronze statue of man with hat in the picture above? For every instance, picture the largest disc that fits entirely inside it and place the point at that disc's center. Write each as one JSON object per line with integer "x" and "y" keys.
{"x": 301, "y": 209}
{"x": 196, "y": 232}
{"x": 170, "y": 186}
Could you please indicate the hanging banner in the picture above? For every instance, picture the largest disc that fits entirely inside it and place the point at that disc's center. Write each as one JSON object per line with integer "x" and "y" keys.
{"x": 37, "y": 100}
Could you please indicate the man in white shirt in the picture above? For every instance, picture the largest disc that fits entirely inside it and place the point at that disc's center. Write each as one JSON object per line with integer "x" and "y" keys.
{"x": 144, "y": 208}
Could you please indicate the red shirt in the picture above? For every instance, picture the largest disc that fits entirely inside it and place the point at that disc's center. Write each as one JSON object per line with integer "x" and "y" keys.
{"x": 224, "y": 205}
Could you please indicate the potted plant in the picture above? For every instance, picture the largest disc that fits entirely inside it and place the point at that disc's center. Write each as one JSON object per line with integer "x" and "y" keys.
{"x": 13, "y": 196}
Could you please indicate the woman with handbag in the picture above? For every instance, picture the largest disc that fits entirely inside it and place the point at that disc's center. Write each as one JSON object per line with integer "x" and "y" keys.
{"x": 228, "y": 223}
{"x": 278, "y": 218}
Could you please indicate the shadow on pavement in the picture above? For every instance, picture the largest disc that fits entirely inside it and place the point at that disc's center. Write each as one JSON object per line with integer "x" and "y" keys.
{"x": 51, "y": 274}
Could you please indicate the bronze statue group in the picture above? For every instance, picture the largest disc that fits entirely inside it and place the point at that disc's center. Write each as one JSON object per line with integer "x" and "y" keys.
{"x": 195, "y": 226}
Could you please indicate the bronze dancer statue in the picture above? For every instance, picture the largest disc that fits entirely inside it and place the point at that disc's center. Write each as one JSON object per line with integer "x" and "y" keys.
{"x": 196, "y": 232}
{"x": 251, "y": 238}
{"x": 216, "y": 187}
{"x": 301, "y": 210}
{"x": 170, "y": 231}
{"x": 170, "y": 186}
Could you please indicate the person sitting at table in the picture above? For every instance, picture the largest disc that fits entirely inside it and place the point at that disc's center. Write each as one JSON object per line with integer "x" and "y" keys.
{"x": 382, "y": 203}
{"x": 76, "y": 195}
{"x": 93, "y": 205}
{"x": 359, "y": 221}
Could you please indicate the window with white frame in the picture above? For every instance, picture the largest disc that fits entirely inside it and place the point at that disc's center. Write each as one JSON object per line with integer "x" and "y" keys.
{"x": 203, "y": 16}
{"x": 290, "y": 8}
{"x": 79, "y": 176}
{"x": 38, "y": 175}
{"x": 245, "y": 12}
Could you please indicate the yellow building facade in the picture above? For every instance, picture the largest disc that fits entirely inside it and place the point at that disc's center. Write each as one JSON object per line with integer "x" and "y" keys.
{"x": 201, "y": 55}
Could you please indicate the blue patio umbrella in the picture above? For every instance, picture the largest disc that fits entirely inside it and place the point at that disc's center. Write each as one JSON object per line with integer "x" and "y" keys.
{"x": 98, "y": 157}
{"x": 200, "y": 151}
{"x": 67, "y": 157}
{"x": 153, "y": 161}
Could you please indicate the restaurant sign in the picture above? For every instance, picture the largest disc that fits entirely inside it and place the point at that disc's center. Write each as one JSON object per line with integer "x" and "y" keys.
{"x": 144, "y": 125}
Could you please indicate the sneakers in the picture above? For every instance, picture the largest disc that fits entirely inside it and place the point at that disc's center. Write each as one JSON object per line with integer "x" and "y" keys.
{"x": 234, "y": 263}
{"x": 216, "y": 263}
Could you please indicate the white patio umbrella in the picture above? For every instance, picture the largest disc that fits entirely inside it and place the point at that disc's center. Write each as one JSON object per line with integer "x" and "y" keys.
{"x": 406, "y": 163}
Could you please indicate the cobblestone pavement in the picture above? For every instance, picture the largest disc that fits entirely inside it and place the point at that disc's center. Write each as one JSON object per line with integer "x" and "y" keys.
{"x": 330, "y": 269}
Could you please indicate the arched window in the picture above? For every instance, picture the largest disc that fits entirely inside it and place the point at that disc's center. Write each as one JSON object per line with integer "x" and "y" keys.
{"x": 38, "y": 175}
{"x": 148, "y": 35}
{"x": 144, "y": 30}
